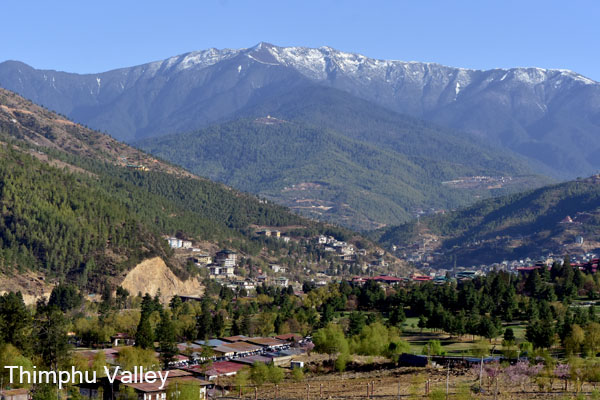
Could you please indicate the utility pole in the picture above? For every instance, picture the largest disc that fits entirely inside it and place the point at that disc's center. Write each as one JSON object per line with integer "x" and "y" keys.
{"x": 447, "y": 381}
{"x": 481, "y": 372}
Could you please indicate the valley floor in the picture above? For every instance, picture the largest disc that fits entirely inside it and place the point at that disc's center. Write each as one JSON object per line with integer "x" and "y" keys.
{"x": 407, "y": 383}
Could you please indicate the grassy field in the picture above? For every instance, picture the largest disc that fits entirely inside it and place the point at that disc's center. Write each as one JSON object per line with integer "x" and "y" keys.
{"x": 455, "y": 346}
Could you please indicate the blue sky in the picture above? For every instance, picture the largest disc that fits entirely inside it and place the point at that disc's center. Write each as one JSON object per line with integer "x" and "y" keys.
{"x": 95, "y": 36}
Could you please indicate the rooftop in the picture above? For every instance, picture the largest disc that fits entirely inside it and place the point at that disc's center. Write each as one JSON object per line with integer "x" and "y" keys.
{"x": 232, "y": 339}
{"x": 265, "y": 341}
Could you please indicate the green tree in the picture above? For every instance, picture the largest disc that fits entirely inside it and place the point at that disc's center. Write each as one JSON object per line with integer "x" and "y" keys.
{"x": 50, "y": 327}
{"x": 275, "y": 374}
{"x": 10, "y": 356}
{"x": 122, "y": 295}
{"x": 297, "y": 374}
{"x": 397, "y": 316}
{"x": 241, "y": 378}
{"x": 422, "y": 322}
{"x": 184, "y": 390}
{"x": 434, "y": 348}
{"x": 259, "y": 373}
{"x": 44, "y": 392}
{"x": 144, "y": 338}
{"x": 341, "y": 361}
{"x": 396, "y": 348}
{"x": 541, "y": 333}
{"x": 15, "y": 321}
{"x": 330, "y": 340}
{"x": 165, "y": 333}
{"x": 130, "y": 357}
{"x": 592, "y": 339}
{"x": 509, "y": 335}
{"x": 356, "y": 322}
{"x": 487, "y": 328}
{"x": 574, "y": 342}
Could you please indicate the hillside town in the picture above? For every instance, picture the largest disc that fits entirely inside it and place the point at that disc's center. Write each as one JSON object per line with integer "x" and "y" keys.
{"x": 333, "y": 258}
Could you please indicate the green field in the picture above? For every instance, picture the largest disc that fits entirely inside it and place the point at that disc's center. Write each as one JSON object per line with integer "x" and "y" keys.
{"x": 455, "y": 346}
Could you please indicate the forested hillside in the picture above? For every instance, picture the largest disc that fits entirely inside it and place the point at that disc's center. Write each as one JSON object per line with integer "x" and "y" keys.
{"x": 521, "y": 225}
{"x": 65, "y": 225}
{"x": 76, "y": 207}
{"x": 331, "y": 156}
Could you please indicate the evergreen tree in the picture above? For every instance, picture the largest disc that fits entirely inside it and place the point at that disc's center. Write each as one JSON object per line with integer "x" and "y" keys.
{"x": 66, "y": 297}
{"x": 15, "y": 321}
{"x": 509, "y": 335}
{"x": 356, "y": 322}
{"x": 50, "y": 328}
{"x": 165, "y": 333}
{"x": 144, "y": 337}
{"x": 204, "y": 325}
{"x": 122, "y": 297}
{"x": 397, "y": 316}
{"x": 246, "y": 324}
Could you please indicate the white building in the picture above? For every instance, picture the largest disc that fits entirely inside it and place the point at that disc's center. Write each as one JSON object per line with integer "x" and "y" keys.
{"x": 278, "y": 268}
{"x": 175, "y": 243}
{"x": 221, "y": 270}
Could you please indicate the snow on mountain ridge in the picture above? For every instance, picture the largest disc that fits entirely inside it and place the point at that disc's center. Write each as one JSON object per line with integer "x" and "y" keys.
{"x": 317, "y": 63}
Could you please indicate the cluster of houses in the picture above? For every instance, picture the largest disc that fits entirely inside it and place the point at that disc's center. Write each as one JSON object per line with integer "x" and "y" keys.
{"x": 349, "y": 254}
{"x": 200, "y": 363}
{"x": 143, "y": 387}
{"x": 346, "y": 251}
{"x": 274, "y": 234}
{"x": 437, "y": 278}
{"x": 222, "y": 265}
{"x": 231, "y": 354}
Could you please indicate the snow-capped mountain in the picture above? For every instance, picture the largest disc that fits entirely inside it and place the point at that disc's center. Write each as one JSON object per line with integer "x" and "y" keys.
{"x": 550, "y": 116}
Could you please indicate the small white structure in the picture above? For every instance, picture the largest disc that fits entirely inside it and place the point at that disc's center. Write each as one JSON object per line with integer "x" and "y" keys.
{"x": 216, "y": 269}
{"x": 175, "y": 243}
{"x": 277, "y": 268}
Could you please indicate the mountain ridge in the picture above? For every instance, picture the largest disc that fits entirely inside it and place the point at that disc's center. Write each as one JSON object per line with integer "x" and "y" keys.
{"x": 548, "y": 115}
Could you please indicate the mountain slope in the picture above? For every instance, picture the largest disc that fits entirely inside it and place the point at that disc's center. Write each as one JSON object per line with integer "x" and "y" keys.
{"x": 529, "y": 224}
{"x": 62, "y": 225}
{"x": 549, "y": 116}
{"x": 326, "y": 174}
{"x": 73, "y": 207}
{"x": 362, "y": 120}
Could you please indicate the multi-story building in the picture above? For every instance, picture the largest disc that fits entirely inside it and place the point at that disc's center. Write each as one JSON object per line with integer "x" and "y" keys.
{"x": 226, "y": 258}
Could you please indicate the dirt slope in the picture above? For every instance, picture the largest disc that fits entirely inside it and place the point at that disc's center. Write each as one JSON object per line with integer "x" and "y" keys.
{"x": 153, "y": 274}
{"x": 31, "y": 285}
